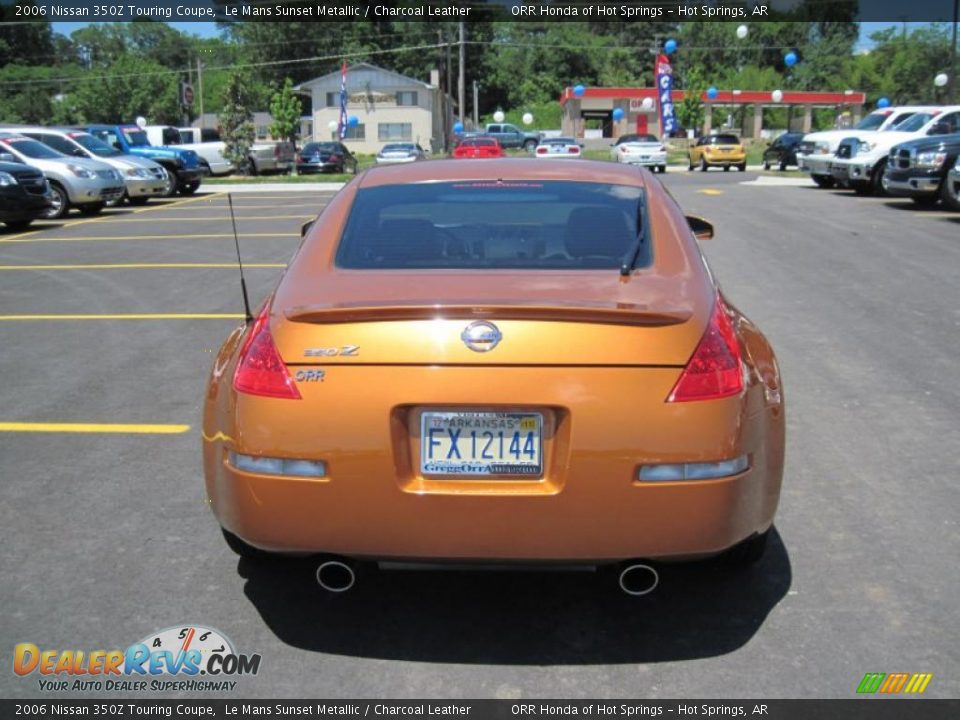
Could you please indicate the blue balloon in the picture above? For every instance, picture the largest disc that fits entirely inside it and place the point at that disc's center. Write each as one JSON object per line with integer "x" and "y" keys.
{"x": 790, "y": 59}
{"x": 353, "y": 121}
{"x": 712, "y": 93}
{"x": 579, "y": 90}
{"x": 618, "y": 114}
{"x": 458, "y": 127}
{"x": 883, "y": 102}
{"x": 670, "y": 46}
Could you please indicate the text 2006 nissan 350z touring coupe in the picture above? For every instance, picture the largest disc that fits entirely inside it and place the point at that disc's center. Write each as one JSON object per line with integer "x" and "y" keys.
{"x": 498, "y": 362}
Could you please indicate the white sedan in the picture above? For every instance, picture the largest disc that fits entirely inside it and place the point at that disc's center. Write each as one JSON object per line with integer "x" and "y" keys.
{"x": 640, "y": 150}
{"x": 558, "y": 148}
{"x": 400, "y": 153}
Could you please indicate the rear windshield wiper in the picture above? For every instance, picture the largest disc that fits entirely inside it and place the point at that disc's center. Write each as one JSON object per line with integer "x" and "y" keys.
{"x": 630, "y": 259}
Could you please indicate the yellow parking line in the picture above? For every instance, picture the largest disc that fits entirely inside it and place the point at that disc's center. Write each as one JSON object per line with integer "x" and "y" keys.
{"x": 128, "y": 316}
{"x": 710, "y": 191}
{"x": 225, "y": 217}
{"x": 119, "y": 238}
{"x": 123, "y": 428}
{"x": 142, "y": 266}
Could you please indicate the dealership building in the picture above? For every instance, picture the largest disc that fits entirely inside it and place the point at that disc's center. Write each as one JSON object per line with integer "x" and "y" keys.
{"x": 639, "y": 106}
{"x": 390, "y": 107}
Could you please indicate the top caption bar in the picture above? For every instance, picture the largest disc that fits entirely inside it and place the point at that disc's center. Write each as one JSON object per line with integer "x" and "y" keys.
{"x": 475, "y": 11}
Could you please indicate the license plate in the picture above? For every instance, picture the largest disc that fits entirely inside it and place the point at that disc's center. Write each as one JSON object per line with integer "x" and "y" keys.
{"x": 481, "y": 444}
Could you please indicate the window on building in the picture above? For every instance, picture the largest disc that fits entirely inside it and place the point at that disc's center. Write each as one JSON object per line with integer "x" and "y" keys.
{"x": 333, "y": 99}
{"x": 263, "y": 132}
{"x": 407, "y": 97}
{"x": 394, "y": 131}
{"x": 356, "y": 132}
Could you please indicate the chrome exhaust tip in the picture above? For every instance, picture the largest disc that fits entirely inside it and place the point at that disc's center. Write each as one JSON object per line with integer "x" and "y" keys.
{"x": 336, "y": 576}
{"x": 638, "y": 579}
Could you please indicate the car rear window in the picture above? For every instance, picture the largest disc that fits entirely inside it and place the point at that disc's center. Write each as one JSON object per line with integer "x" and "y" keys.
{"x": 724, "y": 140}
{"x": 495, "y": 224}
{"x": 478, "y": 142}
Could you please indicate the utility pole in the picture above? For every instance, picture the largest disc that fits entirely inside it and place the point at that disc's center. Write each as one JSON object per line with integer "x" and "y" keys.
{"x": 954, "y": 85}
{"x": 461, "y": 89}
{"x": 476, "y": 105}
{"x": 200, "y": 88}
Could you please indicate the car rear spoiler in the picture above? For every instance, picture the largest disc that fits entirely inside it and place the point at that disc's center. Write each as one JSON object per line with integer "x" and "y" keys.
{"x": 612, "y": 314}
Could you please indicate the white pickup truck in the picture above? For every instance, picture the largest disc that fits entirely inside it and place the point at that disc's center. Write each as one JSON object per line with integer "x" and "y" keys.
{"x": 867, "y": 156}
{"x": 206, "y": 142}
{"x": 816, "y": 150}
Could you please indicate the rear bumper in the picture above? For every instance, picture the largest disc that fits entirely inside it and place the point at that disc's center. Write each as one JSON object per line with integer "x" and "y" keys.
{"x": 589, "y": 507}
{"x": 725, "y": 161}
{"x": 652, "y": 160}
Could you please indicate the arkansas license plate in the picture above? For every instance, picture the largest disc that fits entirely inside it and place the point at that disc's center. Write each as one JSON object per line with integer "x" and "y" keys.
{"x": 481, "y": 444}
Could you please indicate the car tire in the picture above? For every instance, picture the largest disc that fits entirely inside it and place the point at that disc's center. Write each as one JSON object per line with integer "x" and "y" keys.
{"x": 173, "y": 185}
{"x": 142, "y": 200}
{"x": 726, "y": 168}
{"x": 243, "y": 549}
{"x": 250, "y": 168}
{"x": 689, "y": 163}
{"x": 925, "y": 201}
{"x": 824, "y": 181}
{"x": 876, "y": 180}
{"x": 529, "y": 145}
{"x": 742, "y": 167}
{"x": 703, "y": 165}
{"x": 61, "y": 203}
{"x": 663, "y": 169}
{"x": 783, "y": 166}
{"x": 766, "y": 165}
{"x": 18, "y": 225}
{"x": 950, "y": 198}
{"x": 91, "y": 209}
{"x": 748, "y": 552}
{"x": 190, "y": 188}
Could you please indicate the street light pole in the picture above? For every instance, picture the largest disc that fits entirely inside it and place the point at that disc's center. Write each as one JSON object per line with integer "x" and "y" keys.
{"x": 954, "y": 85}
{"x": 461, "y": 84}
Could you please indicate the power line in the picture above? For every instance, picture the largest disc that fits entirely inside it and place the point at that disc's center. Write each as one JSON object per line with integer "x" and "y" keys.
{"x": 237, "y": 66}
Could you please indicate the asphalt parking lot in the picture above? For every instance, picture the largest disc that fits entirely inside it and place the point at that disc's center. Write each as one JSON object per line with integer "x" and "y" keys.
{"x": 108, "y": 538}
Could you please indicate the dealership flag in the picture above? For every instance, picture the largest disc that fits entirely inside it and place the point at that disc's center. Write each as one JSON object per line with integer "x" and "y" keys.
{"x": 664, "y": 77}
{"x": 342, "y": 122}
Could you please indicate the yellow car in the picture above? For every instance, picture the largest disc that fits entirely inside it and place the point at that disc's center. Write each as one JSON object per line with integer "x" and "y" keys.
{"x": 724, "y": 151}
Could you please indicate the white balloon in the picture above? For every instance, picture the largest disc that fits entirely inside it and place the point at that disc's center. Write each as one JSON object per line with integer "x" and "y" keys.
{"x": 941, "y": 80}
{"x": 141, "y": 121}
{"x": 742, "y": 32}
{"x": 527, "y": 118}
{"x": 333, "y": 125}
{"x": 498, "y": 116}
{"x": 648, "y": 103}
{"x": 777, "y": 96}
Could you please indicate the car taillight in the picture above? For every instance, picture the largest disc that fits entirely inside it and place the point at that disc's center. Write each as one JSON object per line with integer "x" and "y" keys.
{"x": 573, "y": 150}
{"x": 276, "y": 151}
{"x": 334, "y": 157}
{"x": 541, "y": 151}
{"x": 260, "y": 370}
{"x": 714, "y": 370}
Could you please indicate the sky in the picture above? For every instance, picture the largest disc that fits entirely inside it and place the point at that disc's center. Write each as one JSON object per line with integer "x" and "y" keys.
{"x": 209, "y": 29}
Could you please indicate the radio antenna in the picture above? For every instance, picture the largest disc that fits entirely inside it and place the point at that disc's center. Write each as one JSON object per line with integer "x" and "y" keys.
{"x": 236, "y": 242}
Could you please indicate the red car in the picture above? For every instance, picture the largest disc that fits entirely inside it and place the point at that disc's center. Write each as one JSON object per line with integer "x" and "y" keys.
{"x": 478, "y": 147}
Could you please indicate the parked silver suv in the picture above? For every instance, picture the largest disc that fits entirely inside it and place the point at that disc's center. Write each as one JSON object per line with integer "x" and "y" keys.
{"x": 85, "y": 184}
{"x": 142, "y": 178}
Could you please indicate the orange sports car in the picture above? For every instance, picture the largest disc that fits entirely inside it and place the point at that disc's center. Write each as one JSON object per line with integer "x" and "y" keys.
{"x": 508, "y": 361}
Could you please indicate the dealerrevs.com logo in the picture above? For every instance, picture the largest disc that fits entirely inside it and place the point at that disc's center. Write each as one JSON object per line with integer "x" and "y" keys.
{"x": 185, "y": 657}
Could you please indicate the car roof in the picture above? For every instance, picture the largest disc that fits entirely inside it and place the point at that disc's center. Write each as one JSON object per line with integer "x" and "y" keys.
{"x": 513, "y": 169}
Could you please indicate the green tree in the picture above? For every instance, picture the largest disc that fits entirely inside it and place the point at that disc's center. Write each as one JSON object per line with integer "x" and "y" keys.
{"x": 690, "y": 110}
{"x": 131, "y": 86}
{"x": 286, "y": 109}
{"x": 236, "y": 122}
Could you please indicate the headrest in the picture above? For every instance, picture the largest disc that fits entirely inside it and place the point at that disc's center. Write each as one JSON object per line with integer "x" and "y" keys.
{"x": 598, "y": 231}
{"x": 408, "y": 239}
